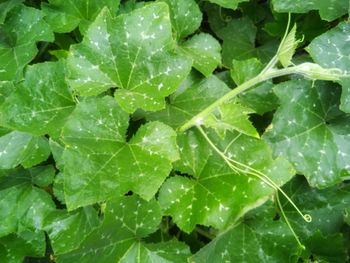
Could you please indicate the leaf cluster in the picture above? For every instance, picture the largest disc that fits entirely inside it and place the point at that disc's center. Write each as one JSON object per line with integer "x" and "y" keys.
{"x": 174, "y": 131}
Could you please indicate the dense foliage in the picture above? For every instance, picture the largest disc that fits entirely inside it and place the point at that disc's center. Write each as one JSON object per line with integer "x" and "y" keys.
{"x": 174, "y": 131}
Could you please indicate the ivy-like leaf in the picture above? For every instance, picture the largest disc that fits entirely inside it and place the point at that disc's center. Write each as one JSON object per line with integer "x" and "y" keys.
{"x": 6, "y": 6}
{"x": 270, "y": 240}
{"x": 6, "y": 88}
{"x": 185, "y": 15}
{"x": 259, "y": 239}
{"x": 135, "y": 219}
{"x": 326, "y": 207}
{"x": 57, "y": 150}
{"x": 15, "y": 247}
{"x": 329, "y": 10}
{"x": 309, "y": 130}
{"x": 233, "y": 4}
{"x": 238, "y": 40}
{"x": 42, "y": 176}
{"x": 32, "y": 203}
{"x": 133, "y": 52}
{"x": 95, "y": 136}
{"x": 22, "y": 148}
{"x": 68, "y": 230}
{"x": 23, "y": 27}
{"x": 63, "y": 16}
{"x": 205, "y": 51}
{"x": 216, "y": 195}
{"x": 331, "y": 50}
{"x": 194, "y": 95}
{"x": 40, "y": 104}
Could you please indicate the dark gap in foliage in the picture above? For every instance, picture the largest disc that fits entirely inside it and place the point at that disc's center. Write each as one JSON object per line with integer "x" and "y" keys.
{"x": 130, "y": 193}
{"x": 276, "y": 217}
{"x": 261, "y": 122}
{"x": 178, "y": 173}
{"x": 48, "y": 258}
{"x": 134, "y": 125}
{"x": 34, "y": 3}
{"x": 43, "y": 53}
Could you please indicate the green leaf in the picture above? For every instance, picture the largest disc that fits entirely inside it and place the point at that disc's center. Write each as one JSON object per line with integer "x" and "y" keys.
{"x": 216, "y": 195}
{"x": 6, "y": 88}
{"x": 185, "y": 15}
{"x": 129, "y": 5}
{"x": 42, "y": 176}
{"x": 287, "y": 48}
{"x": 309, "y": 130}
{"x": 57, "y": 149}
{"x": 22, "y": 148}
{"x": 327, "y": 248}
{"x": 22, "y": 205}
{"x": 43, "y": 101}
{"x": 331, "y": 50}
{"x": 96, "y": 137}
{"x": 238, "y": 40}
{"x": 6, "y": 6}
{"x": 58, "y": 188}
{"x": 14, "y": 248}
{"x": 205, "y": 52}
{"x": 19, "y": 34}
{"x": 229, "y": 117}
{"x": 135, "y": 219}
{"x": 329, "y": 10}
{"x": 244, "y": 70}
{"x": 269, "y": 239}
{"x": 257, "y": 239}
{"x": 194, "y": 95}
{"x": 60, "y": 225}
{"x": 133, "y": 52}
{"x": 261, "y": 98}
{"x": 63, "y": 16}
{"x": 326, "y": 207}
{"x": 233, "y": 4}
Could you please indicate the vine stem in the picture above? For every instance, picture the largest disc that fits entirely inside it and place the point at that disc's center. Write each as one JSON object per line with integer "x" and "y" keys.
{"x": 272, "y": 73}
{"x": 287, "y": 221}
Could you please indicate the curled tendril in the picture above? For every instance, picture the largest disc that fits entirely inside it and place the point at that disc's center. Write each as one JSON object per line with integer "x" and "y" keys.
{"x": 307, "y": 218}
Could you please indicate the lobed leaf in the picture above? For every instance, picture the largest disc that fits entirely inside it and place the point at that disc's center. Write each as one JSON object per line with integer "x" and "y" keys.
{"x": 135, "y": 219}
{"x": 68, "y": 230}
{"x": 329, "y": 10}
{"x": 331, "y": 50}
{"x": 41, "y": 104}
{"x": 134, "y": 52}
{"x": 21, "y": 30}
{"x": 204, "y": 51}
{"x": 185, "y": 16}
{"x": 64, "y": 16}
{"x": 32, "y": 203}
{"x": 95, "y": 135}
{"x": 194, "y": 95}
{"x": 22, "y": 148}
{"x": 216, "y": 196}
{"x": 316, "y": 141}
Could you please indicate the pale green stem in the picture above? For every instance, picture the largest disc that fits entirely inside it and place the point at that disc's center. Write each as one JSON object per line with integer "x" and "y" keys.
{"x": 198, "y": 119}
{"x": 274, "y": 60}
